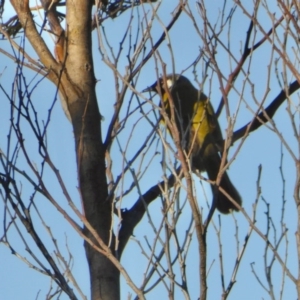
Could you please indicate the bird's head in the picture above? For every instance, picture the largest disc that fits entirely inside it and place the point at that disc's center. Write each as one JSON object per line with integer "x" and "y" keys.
{"x": 169, "y": 82}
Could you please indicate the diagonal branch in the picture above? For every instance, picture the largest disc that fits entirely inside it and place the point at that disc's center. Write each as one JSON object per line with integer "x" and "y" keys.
{"x": 23, "y": 11}
{"x": 246, "y": 53}
{"x": 267, "y": 114}
{"x": 28, "y": 224}
{"x": 128, "y": 78}
{"x": 131, "y": 217}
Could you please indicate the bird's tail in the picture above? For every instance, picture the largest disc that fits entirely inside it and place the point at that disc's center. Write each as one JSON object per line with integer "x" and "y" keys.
{"x": 223, "y": 204}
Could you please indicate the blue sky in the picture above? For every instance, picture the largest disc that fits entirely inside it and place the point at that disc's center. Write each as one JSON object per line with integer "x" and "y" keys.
{"x": 262, "y": 147}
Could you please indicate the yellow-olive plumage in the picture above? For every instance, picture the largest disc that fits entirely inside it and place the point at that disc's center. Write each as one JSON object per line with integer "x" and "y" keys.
{"x": 199, "y": 132}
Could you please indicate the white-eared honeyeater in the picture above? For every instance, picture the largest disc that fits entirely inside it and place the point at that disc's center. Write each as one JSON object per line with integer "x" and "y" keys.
{"x": 199, "y": 132}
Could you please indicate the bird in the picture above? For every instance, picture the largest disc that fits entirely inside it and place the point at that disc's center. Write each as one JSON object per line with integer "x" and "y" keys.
{"x": 199, "y": 131}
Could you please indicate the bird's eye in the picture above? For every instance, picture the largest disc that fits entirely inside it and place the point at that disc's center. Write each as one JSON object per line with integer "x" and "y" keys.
{"x": 169, "y": 83}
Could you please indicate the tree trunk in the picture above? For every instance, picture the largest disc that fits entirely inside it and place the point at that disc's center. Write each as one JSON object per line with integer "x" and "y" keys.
{"x": 84, "y": 111}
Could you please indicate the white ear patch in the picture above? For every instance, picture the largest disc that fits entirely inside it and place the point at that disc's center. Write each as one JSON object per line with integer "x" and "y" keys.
{"x": 169, "y": 83}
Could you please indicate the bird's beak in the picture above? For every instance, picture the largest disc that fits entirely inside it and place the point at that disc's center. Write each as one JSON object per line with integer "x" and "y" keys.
{"x": 151, "y": 88}
{"x": 148, "y": 89}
